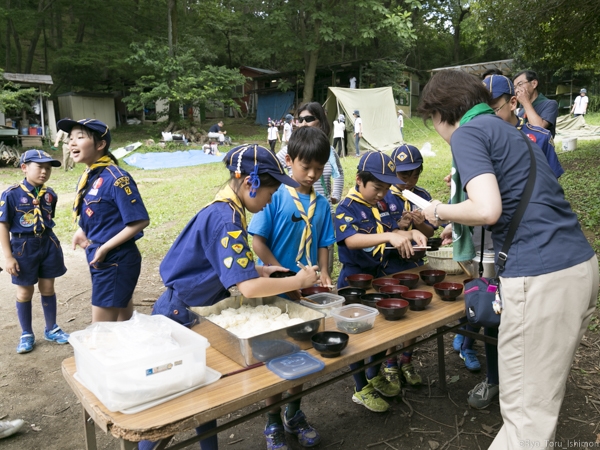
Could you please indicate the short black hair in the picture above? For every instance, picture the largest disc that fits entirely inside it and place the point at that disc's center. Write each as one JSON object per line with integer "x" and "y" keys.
{"x": 366, "y": 177}
{"x": 451, "y": 93}
{"x": 315, "y": 109}
{"x": 529, "y": 74}
{"x": 489, "y": 72}
{"x": 309, "y": 144}
{"x": 409, "y": 173}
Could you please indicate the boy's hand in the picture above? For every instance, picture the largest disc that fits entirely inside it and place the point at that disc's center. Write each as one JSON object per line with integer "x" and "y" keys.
{"x": 417, "y": 217}
{"x": 99, "y": 255}
{"x": 447, "y": 235}
{"x": 309, "y": 276}
{"x": 419, "y": 238}
{"x": 402, "y": 243}
{"x": 406, "y": 220}
{"x": 325, "y": 279}
{"x": 12, "y": 266}
{"x": 79, "y": 238}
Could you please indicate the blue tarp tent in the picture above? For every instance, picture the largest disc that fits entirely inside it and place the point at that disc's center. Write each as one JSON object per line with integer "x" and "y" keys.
{"x": 275, "y": 106}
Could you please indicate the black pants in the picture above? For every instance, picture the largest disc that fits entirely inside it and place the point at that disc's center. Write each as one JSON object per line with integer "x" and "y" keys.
{"x": 339, "y": 142}
{"x": 272, "y": 144}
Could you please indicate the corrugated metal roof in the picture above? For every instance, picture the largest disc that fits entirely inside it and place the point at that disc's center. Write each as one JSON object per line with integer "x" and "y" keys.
{"x": 256, "y": 69}
{"x": 29, "y": 78}
{"x": 505, "y": 65}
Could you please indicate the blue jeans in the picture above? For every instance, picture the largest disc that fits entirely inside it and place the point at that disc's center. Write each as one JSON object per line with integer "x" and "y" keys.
{"x": 357, "y": 144}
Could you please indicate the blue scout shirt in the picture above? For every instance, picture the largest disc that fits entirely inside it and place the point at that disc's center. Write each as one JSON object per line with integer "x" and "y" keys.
{"x": 282, "y": 227}
{"x": 543, "y": 138}
{"x": 209, "y": 256}
{"x": 112, "y": 201}
{"x": 549, "y": 237}
{"x": 352, "y": 218}
{"x": 16, "y": 208}
{"x": 547, "y": 109}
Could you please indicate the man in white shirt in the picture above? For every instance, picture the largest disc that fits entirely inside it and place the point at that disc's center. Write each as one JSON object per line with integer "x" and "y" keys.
{"x": 580, "y": 104}
{"x": 352, "y": 82}
{"x": 358, "y": 131}
{"x": 339, "y": 128}
{"x": 287, "y": 130}
{"x": 401, "y": 122}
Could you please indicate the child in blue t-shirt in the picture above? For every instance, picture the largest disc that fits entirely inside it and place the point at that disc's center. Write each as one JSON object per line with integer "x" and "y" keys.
{"x": 363, "y": 227}
{"x": 296, "y": 227}
{"x": 31, "y": 249}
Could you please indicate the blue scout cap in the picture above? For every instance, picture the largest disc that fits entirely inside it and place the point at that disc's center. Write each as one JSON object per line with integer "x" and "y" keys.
{"x": 499, "y": 85}
{"x": 356, "y": 113}
{"x": 380, "y": 166}
{"x": 407, "y": 157}
{"x": 39, "y": 156}
{"x": 289, "y": 117}
{"x": 252, "y": 159}
{"x": 93, "y": 124}
{"x": 584, "y": 91}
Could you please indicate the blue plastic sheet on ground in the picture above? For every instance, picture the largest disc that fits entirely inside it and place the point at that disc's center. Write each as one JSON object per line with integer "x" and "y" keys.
{"x": 169, "y": 160}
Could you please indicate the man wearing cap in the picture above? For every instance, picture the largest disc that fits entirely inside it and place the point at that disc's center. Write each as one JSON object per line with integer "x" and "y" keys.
{"x": 358, "y": 131}
{"x": 536, "y": 109}
{"x": 580, "y": 104}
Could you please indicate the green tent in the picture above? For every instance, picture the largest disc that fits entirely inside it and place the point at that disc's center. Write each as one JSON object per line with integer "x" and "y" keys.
{"x": 377, "y": 110}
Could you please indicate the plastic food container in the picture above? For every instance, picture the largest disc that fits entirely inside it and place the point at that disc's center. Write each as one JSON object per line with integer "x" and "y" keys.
{"x": 116, "y": 360}
{"x": 354, "y": 318}
{"x": 442, "y": 260}
{"x": 296, "y": 365}
{"x": 327, "y": 302}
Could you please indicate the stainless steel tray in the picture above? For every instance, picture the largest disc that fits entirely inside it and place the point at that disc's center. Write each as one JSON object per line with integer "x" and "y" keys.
{"x": 263, "y": 347}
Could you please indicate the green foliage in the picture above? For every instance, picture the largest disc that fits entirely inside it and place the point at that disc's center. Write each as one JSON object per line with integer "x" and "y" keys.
{"x": 383, "y": 73}
{"x": 14, "y": 98}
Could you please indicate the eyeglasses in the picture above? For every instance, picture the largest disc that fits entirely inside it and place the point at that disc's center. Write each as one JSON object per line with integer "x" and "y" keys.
{"x": 497, "y": 110}
{"x": 307, "y": 119}
{"x": 521, "y": 83}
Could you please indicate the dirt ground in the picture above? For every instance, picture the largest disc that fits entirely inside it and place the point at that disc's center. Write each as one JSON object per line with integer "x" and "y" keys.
{"x": 32, "y": 388}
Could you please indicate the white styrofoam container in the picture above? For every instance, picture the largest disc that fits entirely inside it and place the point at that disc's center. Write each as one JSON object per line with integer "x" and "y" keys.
{"x": 569, "y": 144}
{"x": 139, "y": 380}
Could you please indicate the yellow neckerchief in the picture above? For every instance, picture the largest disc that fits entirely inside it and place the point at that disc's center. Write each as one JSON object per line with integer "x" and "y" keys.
{"x": 226, "y": 195}
{"x": 104, "y": 161}
{"x": 38, "y": 220}
{"x": 353, "y": 194}
{"x": 407, "y": 205}
{"x": 307, "y": 237}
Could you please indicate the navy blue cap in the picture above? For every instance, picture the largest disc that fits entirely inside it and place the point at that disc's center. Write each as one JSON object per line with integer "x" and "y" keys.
{"x": 380, "y": 166}
{"x": 407, "y": 157}
{"x": 39, "y": 156}
{"x": 499, "y": 85}
{"x": 289, "y": 117}
{"x": 93, "y": 124}
{"x": 583, "y": 90}
{"x": 356, "y": 112}
{"x": 244, "y": 158}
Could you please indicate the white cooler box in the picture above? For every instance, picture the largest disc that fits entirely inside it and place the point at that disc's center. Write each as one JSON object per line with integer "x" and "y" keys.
{"x": 126, "y": 364}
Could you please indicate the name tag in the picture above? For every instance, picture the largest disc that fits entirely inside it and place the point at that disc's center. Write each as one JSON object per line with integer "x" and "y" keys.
{"x": 93, "y": 192}
{"x": 384, "y": 214}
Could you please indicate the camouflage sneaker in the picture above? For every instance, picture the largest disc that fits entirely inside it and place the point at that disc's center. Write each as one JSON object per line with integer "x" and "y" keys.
{"x": 370, "y": 399}
{"x": 410, "y": 374}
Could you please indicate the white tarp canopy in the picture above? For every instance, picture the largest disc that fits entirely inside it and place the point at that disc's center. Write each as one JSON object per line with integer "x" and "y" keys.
{"x": 377, "y": 111}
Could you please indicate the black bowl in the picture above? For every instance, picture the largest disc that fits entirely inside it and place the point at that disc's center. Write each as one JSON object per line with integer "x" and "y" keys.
{"x": 360, "y": 280}
{"x": 351, "y": 294}
{"x": 330, "y": 343}
{"x": 387, "y": 281}
{"x": 430, "y": 277}
{"x": 418, "y": 255}
{"x": 291, "y": 273}
{"x": 448, "y": 291}
{"x": 418, "y": 299}
{"x": 304, "y": 331}
{"x": 313, "y": 290}
{"x": 434, "y": 243}
{"x": 392, "y": 308}
{"x": 371, "y": 299}
{"x": 410, "y": 280}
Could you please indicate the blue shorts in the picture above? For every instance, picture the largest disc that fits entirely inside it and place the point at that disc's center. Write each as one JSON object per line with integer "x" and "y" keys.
{"x": 115, "y": 278}
{"x": 38, "y": 257}
{"x": 169, "y": 305}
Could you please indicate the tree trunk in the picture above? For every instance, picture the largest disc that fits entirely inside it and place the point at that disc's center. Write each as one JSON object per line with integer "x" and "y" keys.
{"x": 17, "y": 46}
{"x": 172, "y": 39}
{"x": 80, "y": 32}
{"x": 8, "y": 46}
{"x": 309, "y": 76}
{"x": 32, "y": 46}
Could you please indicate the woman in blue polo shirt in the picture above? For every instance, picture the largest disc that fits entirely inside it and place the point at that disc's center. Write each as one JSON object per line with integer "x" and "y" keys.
{"x": 111, "y": 217}
{"x": 549, "y": 284}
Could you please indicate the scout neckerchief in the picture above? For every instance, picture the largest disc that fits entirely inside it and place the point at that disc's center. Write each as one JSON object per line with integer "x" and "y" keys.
{"x": 463, "y": 248}
{"x": 407, "y": 205}
{"x": 226, "y": 195}
{"x": 353, "y": 194}
{"x": 104, "y": 161}
{"x": 307, "y": 236}
{"x": 38, "y": 219}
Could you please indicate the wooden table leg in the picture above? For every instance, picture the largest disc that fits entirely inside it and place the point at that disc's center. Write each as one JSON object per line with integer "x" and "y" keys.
{"x": 441, "y": 360}
{"x": 90, "y": 431}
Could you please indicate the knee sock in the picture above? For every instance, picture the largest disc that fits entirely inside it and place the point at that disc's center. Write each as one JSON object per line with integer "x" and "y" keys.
{"x": 468, "y": 342}
{"x": 491, "y": 357}
{"x": 373, "y": 371}
{"x": 274, "y": 417}
{"x": 292, "y": 408}
{"x": 210, "y": 443}
{"x": 360, "y": 380}
{"x": 406, "y": 358}
{"x": 24, "y": 314}
{"x": 391, "y": 362}
{"x": 49, "y": 307}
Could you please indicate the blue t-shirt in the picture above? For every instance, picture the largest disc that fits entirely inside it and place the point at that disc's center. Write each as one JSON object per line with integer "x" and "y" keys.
{"x": 16, "y": 208}
{"x": 549, "y": 237}
{"x": 352, "y": 218}
{"x": 543, "y": 138}
{"x": 112, "y": 201}
{"x": 209, "y": 256}
{"x": 281, "y": 225}
{"x": 215, "y": 128}
{"x": 547, "y": 109}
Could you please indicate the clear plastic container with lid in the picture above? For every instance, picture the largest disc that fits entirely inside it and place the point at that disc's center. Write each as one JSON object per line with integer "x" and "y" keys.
{"x": 354, "y": 318}
{"x": 295, "y": 365}
{"x": 326, "y": 302}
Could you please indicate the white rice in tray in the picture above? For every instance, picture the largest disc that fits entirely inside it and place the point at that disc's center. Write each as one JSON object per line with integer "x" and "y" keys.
{"x": 248, "y": 321}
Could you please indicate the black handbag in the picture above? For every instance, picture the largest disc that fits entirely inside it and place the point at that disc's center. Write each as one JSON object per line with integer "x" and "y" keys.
{"x": 483, "y": 304}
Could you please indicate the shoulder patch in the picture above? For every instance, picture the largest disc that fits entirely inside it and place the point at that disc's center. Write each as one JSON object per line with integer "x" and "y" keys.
{"x": 237, "y": 248}
{"x": 343, "y": 228}
{"x": 228, "y": 262}
{"x": 225, "y": 242}
{"x": 242, "y": 262}
{"x": 339, "y": 216}
{"x": 234, "y": 234}
{"x": 121, "y": 182}
{"x": 250, "y": 256}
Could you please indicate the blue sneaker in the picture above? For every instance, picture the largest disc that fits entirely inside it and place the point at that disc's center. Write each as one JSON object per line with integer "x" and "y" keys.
{"x": 26, "y": 343}
{"x": 56, "y": 335}
{"x": 275, "y": 437}
{"x": 297, "y": 425}
{"x": 471, "y": 361}
{"x": 457, "y": 343}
